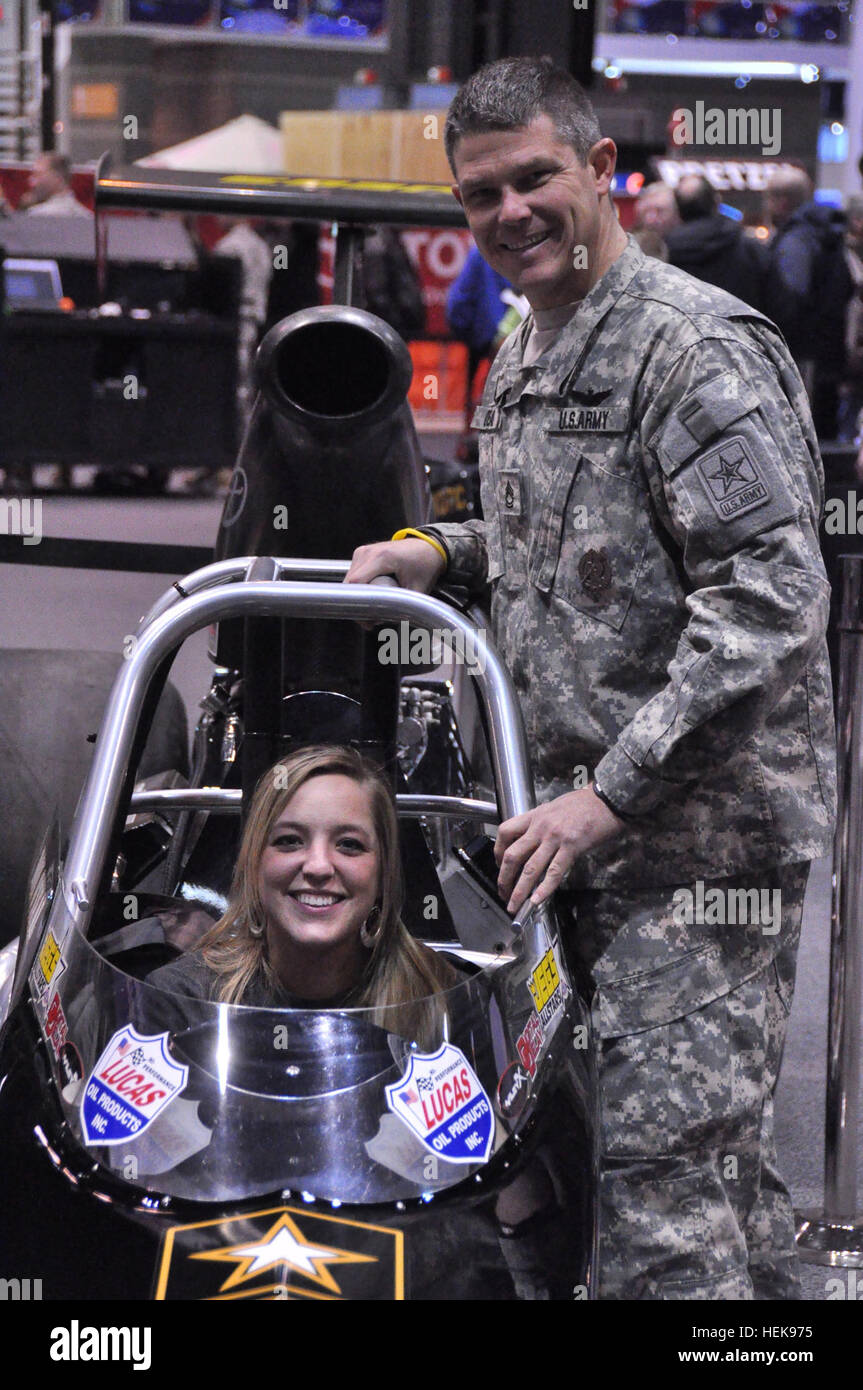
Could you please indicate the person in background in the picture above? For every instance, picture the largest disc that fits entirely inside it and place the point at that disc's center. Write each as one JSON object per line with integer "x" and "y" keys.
{"x": 808, "y": 285}
{"x": 656, "y": 208}
{"x": 256, "y": 258}
{"x": 851, "y": 390}
{"x": 388, "y": 285}
{"x": 49, "y": 189}
{"x": 482, "y": 309}
{"x": 711, "y": 246}
{"x": 651, "y": 242}
{"x": 476, "y": 311}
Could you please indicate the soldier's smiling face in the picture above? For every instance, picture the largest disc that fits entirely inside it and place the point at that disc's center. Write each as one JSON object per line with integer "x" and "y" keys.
{"x": 531, "y": 204}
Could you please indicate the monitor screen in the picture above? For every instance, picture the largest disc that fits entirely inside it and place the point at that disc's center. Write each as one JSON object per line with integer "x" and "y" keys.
{"x": 32, "y": 284}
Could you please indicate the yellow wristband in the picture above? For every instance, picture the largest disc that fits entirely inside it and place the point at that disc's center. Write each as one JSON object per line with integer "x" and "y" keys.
{"x": 407, "y": 532}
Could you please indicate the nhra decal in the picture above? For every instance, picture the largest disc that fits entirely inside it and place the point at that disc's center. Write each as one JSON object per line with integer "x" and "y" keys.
{"x": 281, "y": 1253}
{"x": 132, "y": 1082}
{"x": 441, "y": 1100}
{"x": 547, "y": 989}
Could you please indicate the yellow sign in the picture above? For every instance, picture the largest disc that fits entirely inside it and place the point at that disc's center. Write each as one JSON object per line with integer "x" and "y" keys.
{"x": 544, "y": 980}
{"x": 48, "y": 957}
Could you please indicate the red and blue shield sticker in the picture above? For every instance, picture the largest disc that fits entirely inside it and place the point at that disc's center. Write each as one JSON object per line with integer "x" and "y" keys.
{"x": 440, "y": 1098}
{"x": 132, "y": 1082}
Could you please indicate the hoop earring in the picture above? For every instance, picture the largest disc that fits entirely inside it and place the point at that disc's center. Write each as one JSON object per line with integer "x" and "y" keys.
{"x": 256, "y": 929}
{"x": 368, "y": 937}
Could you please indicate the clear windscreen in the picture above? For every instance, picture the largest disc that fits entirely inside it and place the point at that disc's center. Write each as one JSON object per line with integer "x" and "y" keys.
{"x": 219, "y": 1102}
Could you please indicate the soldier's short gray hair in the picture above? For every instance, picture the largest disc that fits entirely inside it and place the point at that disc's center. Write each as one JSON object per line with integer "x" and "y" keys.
{"x": 512, "y": 92}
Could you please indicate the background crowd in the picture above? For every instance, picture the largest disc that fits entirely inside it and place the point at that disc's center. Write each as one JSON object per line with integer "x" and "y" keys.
{"x": 807, "y": 277}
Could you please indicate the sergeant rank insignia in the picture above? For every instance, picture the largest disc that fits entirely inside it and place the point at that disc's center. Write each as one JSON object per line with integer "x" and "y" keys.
{"x": 509, "y": 491}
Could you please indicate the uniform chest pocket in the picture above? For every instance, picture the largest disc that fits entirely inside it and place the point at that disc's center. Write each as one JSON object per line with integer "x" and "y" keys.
{"x": 590, "y": 544}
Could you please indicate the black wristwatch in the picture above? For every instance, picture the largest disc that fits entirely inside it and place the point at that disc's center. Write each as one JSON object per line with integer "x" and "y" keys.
{"x": 621, "y": 815}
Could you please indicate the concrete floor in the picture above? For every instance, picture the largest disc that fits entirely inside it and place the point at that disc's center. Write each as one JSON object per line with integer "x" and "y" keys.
{"x": 92, "y": 610}
{"x": 802, "y": 1084}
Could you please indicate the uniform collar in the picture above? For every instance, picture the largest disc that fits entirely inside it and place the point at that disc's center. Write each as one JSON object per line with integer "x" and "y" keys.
{"x": 552, "y": 374}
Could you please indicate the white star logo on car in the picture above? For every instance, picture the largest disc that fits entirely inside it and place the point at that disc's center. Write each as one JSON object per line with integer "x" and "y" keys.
{"x": 284, "y": 1245}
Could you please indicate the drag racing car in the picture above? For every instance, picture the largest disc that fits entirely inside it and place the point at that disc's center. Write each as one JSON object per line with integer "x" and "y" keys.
{"x": 225, "y": 1152}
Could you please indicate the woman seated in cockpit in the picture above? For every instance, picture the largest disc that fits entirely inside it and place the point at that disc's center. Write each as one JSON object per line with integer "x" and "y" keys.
{"x": 313, "y": 917}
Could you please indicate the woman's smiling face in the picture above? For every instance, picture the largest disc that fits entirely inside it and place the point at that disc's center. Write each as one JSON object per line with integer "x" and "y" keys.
{"x": 319, "y": 873}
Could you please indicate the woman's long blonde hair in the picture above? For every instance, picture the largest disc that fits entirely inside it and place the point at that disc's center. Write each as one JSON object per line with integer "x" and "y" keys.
{"x": 399, "y": 970}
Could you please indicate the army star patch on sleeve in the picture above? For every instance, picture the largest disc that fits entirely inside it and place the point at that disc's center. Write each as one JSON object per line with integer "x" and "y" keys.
{"x": 731, "y": 479}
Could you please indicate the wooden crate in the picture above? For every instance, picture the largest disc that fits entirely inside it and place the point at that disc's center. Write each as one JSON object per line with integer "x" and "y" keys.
{"x": 402, "y": 145}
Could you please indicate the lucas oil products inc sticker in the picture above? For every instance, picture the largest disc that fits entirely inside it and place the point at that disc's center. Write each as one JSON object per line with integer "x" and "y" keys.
{"x": 132, "y": 1082}
{"x": 440, "y": 1098}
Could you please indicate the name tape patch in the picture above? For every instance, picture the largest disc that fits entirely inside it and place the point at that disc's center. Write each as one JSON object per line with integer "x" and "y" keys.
{"x": 593, "y": 419}
{"x": 486, "y": 417}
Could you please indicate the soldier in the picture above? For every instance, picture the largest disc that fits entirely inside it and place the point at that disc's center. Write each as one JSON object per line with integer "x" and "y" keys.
{"x": 651, "y": 492}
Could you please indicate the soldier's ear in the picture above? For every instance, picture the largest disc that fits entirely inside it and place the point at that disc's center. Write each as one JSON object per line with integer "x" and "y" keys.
{"x": 603, "y": 159}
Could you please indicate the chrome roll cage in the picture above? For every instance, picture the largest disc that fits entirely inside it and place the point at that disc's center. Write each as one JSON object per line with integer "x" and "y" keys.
{"x": 298, "y": 589}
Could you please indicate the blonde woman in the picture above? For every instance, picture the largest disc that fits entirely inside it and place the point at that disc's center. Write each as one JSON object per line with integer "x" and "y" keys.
{"x": 314, "y": 908}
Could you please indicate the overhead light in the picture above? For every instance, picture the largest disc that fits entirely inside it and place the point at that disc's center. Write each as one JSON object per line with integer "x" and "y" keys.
{"x": 698, "y": 67}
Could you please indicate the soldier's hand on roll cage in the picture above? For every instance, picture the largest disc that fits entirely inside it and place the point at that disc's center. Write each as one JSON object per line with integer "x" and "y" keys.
{"x": 535, "y": 851}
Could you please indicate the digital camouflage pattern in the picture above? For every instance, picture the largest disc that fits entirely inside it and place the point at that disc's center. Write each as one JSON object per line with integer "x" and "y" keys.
{"x": 692, "y": 1203}
{"x": 651, "y": 490}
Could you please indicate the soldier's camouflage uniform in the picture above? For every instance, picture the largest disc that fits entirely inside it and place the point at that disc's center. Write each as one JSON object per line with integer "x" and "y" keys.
{"x": 651, "y": 491}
